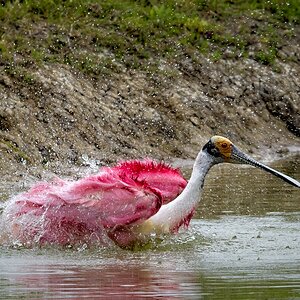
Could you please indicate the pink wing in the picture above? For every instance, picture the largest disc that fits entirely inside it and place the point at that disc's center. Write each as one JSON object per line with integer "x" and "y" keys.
{"x": 68, "y": 212}
{"x": 159, "y": 176}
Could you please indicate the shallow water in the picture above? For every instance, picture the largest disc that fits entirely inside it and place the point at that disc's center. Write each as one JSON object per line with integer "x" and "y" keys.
{"x": 244, "y": 243}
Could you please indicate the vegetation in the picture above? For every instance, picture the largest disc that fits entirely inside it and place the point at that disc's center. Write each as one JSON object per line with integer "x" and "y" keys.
{"x": 95, "y": 36}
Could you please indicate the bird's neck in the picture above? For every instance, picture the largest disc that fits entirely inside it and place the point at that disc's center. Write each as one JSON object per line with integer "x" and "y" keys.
{"x": 172, "y": 215}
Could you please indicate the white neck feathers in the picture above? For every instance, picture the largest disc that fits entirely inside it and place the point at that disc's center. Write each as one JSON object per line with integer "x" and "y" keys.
{"x": 172, "y": 214}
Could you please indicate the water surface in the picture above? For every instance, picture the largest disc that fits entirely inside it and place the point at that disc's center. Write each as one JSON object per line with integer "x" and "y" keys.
{"x": 244, "y": 243}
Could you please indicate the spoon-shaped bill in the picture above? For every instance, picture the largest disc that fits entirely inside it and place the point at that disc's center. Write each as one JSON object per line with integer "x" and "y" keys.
{"x": 240, "y": 157}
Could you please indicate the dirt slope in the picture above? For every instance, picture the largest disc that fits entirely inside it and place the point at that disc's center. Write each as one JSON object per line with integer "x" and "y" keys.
{"x": 62, "y": 118}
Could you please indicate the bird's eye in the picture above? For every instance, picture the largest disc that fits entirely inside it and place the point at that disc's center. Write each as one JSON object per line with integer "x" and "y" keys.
{"x": 224, "y": 145}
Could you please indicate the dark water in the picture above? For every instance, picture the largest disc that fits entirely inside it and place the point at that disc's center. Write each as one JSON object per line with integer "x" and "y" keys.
{"x": 244, "y": 243}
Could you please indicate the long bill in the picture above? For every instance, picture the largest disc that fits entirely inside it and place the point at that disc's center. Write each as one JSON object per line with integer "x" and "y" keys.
{"x": 239, "y": 157}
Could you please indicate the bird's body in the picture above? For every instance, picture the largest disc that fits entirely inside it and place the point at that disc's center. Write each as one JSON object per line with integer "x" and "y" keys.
{"x": 113, "y": 202}
{"x": 127, "y": 203}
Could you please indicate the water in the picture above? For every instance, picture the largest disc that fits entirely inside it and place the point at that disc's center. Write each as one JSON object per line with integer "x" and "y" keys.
{"x": 244, "y": 243}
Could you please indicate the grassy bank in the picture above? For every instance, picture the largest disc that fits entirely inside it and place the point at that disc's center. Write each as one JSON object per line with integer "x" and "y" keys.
{"x": 95, "y": 37}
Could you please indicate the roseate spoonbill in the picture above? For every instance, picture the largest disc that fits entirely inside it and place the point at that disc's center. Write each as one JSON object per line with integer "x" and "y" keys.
{"x": 126, "y": 203}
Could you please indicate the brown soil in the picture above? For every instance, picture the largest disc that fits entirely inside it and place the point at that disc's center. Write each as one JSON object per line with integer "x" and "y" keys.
{"x": 62, "y": 119}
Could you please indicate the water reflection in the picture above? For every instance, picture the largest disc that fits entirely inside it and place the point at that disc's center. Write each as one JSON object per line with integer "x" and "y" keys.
{"x": 111, "y": 280}
{"x": 238, "y": 258}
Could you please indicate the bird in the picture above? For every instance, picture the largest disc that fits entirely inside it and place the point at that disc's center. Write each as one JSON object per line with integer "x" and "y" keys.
{"x": 125, "y": 204}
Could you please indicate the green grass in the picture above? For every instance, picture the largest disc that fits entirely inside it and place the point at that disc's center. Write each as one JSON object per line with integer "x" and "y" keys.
{"x": 19, "y": 154}
{"x": 95, "y": 36}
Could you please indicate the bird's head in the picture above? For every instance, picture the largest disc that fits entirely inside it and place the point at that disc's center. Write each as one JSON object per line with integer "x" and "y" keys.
{"x": 222, "y": 150}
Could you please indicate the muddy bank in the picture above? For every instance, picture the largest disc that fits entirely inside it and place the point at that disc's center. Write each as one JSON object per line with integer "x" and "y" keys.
{"x": 61, "y": 118}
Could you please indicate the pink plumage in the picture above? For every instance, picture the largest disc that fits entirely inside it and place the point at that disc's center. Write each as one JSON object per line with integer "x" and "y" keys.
{"x": 93, "y": 209}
